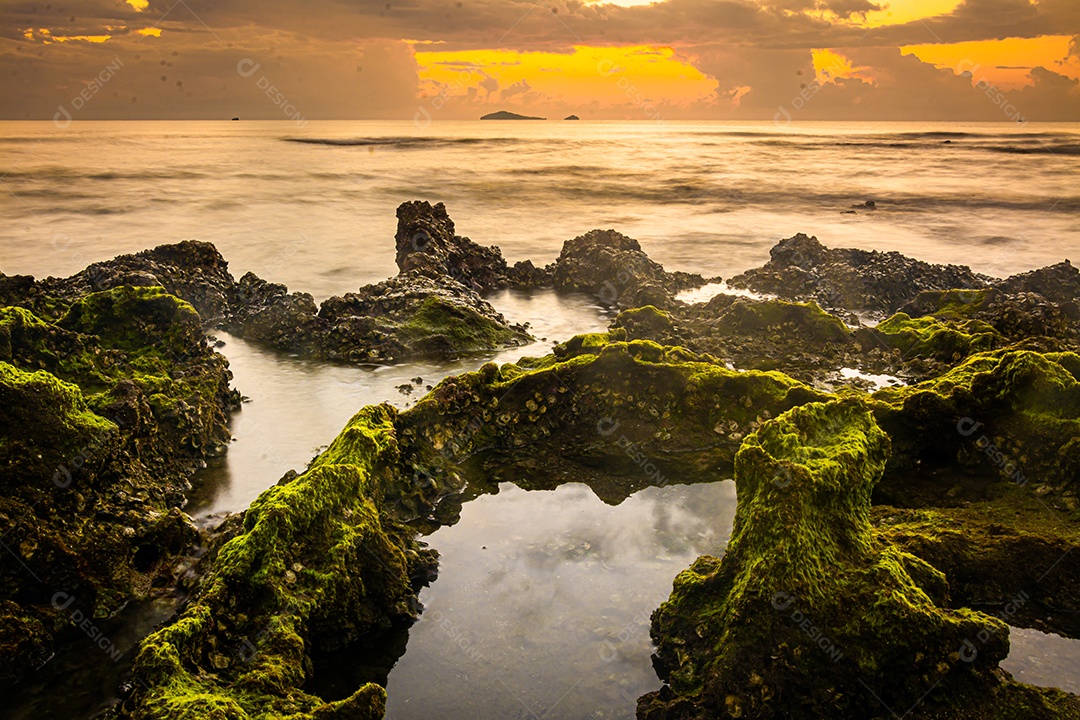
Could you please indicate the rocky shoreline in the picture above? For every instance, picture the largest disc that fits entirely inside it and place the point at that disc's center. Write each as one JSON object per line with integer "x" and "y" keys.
{"x": 901, "y": 520}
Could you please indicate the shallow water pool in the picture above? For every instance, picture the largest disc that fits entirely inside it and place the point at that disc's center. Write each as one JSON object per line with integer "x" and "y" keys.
{"x": 543, "y": 601}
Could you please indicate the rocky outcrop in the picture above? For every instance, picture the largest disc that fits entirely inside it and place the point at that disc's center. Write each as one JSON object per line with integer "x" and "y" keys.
{"x": 411, "y": 315}
{"x": 191, "y": 270}
{"x": 1058, "y": 283}
{"x": 799, "y": 339}
{"x": 801, "y": 268}
{"x": 106, "y": 409}
{"x": 613, "y": 268}
{"x": 770, "y": 630}
{"x": 1008, "y": 415}
{"x": 325, "y": 557}
{"x": 1015, "y": 315}
{"x": 426, "y": 241}
{"x": 319, "y": 560}
{"x": 433, "y": 308}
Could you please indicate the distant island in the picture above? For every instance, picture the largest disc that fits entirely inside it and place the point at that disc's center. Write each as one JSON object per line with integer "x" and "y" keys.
{"x": 571, "y": 117}
{"x": 504, "y": 115}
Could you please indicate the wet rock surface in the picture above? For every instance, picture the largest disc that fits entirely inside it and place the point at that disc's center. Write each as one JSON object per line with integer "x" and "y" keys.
{"x": 426, "y": 240}
{"x": 612, "y": 267}
{"x": 970, "y": 468}
{"x": 107, "y": 409}
{"x": 801, "y": 269}
{"x": 771, "y": 629}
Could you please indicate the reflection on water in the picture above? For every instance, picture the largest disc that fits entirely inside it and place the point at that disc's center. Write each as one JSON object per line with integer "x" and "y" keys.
{"x": 543, "y": 599}
{"x": 1044, "y": 659}
{"x": 298, "y": 406}
{"x": 81, "y": 679}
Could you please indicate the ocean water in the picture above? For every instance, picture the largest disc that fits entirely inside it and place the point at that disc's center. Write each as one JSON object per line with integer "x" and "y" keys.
{"x": 541, "y": 606}
{"x": 318, "y": 215}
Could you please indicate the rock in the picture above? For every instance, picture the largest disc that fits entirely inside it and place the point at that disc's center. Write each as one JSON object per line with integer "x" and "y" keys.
{"x": 356, "y": 563}
{"x": 505, "y": 115}
{"x": 800, "y": 339}
{"x": 267, "y": 313}
{"x": 1010, "y": 415}
{"x": 426, "y": 241}
{"x": 1007, "y": 309}
{"x": 801, "y": 268}
{"x": 106, "y": 410}
{"x": 1000, "y": 568}
{"x": 612, "y": 268}
{"x": 571, "y": 117}
{"x": 191, "y": 270}
{"x": 1058, "y": 283}
{"x": 412, "y": 315}
{"x": 768, "y": 631}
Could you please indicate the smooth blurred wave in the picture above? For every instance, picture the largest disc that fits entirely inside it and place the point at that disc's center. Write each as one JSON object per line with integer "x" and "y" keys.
{"x": 315, "y": 208}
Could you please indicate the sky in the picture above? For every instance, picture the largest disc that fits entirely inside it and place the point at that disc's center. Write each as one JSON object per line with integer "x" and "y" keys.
{"x": 431, "y": 60}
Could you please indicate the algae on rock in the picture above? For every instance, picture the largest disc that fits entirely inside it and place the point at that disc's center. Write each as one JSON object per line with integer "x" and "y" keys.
{"x": 107, "y": 409}
{"x": 810, "y": 614}
{"x": 319, "y": 561}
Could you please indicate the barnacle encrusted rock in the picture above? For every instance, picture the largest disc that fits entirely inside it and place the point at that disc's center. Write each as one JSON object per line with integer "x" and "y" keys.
{"x": 801, "y": 268}
{"x": 106, "y": 409}
{"x": 318, "y": 561}
{"x": 810, "y": 614}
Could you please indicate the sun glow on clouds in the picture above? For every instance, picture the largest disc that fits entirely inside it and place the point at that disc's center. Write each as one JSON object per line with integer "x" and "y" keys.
{"x": 623, "y": 3}
{"x": 139, "y": 5}
{"x": 589, "y": 75}
{"x": 47, "y": 38}
{"x": 1004, "y": 63}
{"x": 896, "y": 12}
{"x": 830, "y": 66}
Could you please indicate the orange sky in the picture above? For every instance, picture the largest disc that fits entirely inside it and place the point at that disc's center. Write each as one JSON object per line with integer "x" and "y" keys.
{"x": 626, "y": 59}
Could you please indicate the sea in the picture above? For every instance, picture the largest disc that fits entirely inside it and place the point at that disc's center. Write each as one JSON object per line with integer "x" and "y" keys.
{"x": 541, "y": 607}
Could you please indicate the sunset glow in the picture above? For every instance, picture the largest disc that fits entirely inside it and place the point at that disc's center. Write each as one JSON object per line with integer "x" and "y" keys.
{"x": 1005, "y": 63}
{"x": 625, "y": 59}
{"x": 590, "y": 75}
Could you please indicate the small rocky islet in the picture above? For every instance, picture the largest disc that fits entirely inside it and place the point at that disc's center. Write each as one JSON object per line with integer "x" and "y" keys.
{"x": 882, "y": 537}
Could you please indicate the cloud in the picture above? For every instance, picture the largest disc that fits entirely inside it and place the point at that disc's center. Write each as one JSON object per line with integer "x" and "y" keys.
{"x": 521, "y": 87}
{"x": 310, "y": 53}
{"x": 489, "y": 84}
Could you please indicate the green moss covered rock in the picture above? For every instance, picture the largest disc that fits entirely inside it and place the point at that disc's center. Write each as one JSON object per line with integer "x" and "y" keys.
{"x": 1010, "y": 415}
{"x": 810, "y": 614}
{"x": 319, "y": 561}
{"x": 105, "y": 412}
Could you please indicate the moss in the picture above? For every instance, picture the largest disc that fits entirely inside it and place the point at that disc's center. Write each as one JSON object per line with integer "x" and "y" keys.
{"x": 442, "y": 326}
{"x": 957, "y": 305}
{"x": 807, "y": 320}
{"x": 644, "y": 412}
{"x": 810, "y": 614}
{"x": 1005, "y": 553}
{"x": 928, "y": 337}
{"x": 136, "y": 319}
{"x": 318, "y": 559}
{"x": 103, "y": 417}
{"x": 44, "y": 421}
{"x": 326, "y": 558}
{"x": 1011, "y": 414}
{"x": 646, "y": 322}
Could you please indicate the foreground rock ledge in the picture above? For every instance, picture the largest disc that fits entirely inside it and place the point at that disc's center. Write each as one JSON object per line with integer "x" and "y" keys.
{"x": 326, "y": 557}
{"x": 810, "y": 614}
{"x": 108, "y": 403}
